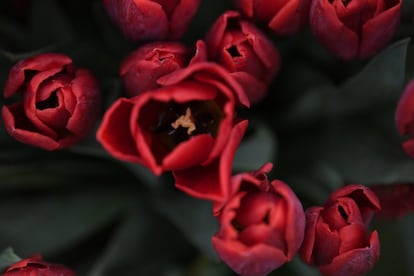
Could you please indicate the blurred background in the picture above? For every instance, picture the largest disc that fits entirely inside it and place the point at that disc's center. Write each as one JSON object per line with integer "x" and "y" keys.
{"x": 324, "y": 124}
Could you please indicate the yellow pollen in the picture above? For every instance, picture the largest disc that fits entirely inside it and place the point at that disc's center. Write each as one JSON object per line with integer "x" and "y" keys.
{"x": 185, "y": 121}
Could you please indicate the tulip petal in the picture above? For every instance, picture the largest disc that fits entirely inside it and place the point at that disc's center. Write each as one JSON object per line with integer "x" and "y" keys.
{"x": 139, "y": 20}
{"x": 379, "y": 30}
{"x": 114, "y": 133}
{"x": 365, "y": 199}
{"x": 141, "y": 68}
{"x": 216, "y": 32}
{"x": 36, "y": 266}
{"x": 265, "y": 10}
{"x": 184, "y": 91}
{"x": 181, "y": 17}
{"x": 189, "y": 153}
{"x": 55, "y": 118}
{"x": 290, "y": 18}
{"x": 200, "y": 54}
{"x": 352, "y": 236}
{"x": 211, "y": 182}
{"x": 307, "y": 247}
{"x": 14, "y": 117}
{"x": 327, "y": 243}
{"x": 50, "y": 107}
{"x": 295, "y": 217}
{"x": 247, "y": 7}
{"x": 331, "y": 32}
{"x": 42, "y": 62}
{"x": 356, "y": 262}
{"x": 255, "y": 208}
{"x": 404, "y": 115}
{"x": 88, "y": 103}
{"x": 203, "y": 71}
{"x": 409, "y": 147}
{"x": 30, "y": 98}
{"x": 258, "y": 260}
{"x": 262, "y": 233}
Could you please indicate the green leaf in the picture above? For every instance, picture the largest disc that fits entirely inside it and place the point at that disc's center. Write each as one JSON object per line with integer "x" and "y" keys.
{"x": 144, "y": 244}
{"x": 410, "y": 65}
{"x": 316, "y": 103}
{"x": 256, "y": 149}
{"x": 125, "y": 249}
{"x": 397, "y": 246}
{"x": 7, "y": 258}
{"x": 379, "y": 83}
{"x": 364, "y": 153}
{"x": 25, "y": 168}
{"x": 315, "y": 183}
{"x": 144, "y": 174}
{"x": 301, "y": 269}
{"x": 193, "y": 217}
{"x": 204, "y": 266}
{"x": 50, "y": 223}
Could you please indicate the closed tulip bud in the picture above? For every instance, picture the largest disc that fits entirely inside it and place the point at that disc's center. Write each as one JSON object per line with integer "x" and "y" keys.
{"x": 354, "y": 29}
{"x": 141, "y": 69}
{"x": 150, "y": 20}
{"x": 283, "y": 17}
{"x": 337, "y": 239}
{"x": 245, "y": 51}
{"x": 56, "y": 104}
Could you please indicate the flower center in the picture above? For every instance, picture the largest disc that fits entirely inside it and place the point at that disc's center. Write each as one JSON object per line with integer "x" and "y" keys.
{"x": 185, "y": 121}
{"x": 172, "y": 123}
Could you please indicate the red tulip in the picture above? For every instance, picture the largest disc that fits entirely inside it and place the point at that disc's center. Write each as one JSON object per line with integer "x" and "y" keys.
{"x": 404, "y": 117}
{"x": 283, "y": 17}
{"x": 34, "y": 266}
{"x": 141, "y": 69}
{"x": 337, "y": 239}
{"x": 58, "y": 103}
{"x": 353, "y": 28}
{"x": 245, "y": 51}
{"x": 261, "y": 225}
{"x": 150, "y": 20}
{"x": 183, "y": 125}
